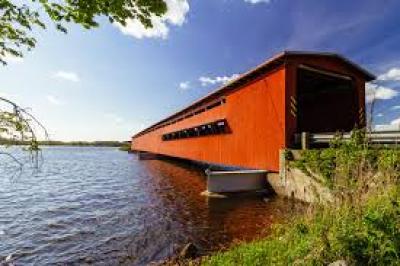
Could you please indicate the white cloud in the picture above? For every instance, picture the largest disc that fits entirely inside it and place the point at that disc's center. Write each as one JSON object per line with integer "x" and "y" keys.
{"x": 184, "y": 85}
{"x": 257, "y": 1}
{"x": 377, "y": 92}
{"x": 205, "y": 81}
{"x": 175, "y": 16}
{"x": 54, "y": 100}
{"x": 137, "y": 30}
{"x": 386, "y": 127}
{"x": 379, "y": 115}
{"x": 394, "y": 125}
{"x": 396, "y": 107}
{"x": 66, "y": 75}
{"x": 392, "y": 75}
{"x": 396, "y": 122}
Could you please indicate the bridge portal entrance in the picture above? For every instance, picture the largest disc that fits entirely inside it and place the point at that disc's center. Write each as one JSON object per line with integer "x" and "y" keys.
{"x": 326, "y": 102}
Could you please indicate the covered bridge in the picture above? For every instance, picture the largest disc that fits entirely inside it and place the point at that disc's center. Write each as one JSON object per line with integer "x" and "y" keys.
{"x": 247, "y": 121}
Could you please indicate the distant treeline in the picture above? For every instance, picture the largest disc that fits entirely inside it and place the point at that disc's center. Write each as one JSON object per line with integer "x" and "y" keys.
{"x": 67, "y": 143}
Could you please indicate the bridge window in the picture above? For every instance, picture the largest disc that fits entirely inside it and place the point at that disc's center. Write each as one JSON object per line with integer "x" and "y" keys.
{"x": 187, "y": 115}
{"x": 213, "y": 128}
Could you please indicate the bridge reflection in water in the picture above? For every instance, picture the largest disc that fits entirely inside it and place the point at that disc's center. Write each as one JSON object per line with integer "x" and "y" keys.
{"x": 175, "y": 190}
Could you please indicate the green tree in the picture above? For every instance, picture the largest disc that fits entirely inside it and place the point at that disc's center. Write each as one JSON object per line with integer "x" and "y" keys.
{"x": 19, "y": 18}
{"x": 16, "y": 125}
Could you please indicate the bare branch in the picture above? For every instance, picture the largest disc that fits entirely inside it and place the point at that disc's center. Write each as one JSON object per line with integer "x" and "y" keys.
{"x": 18, "y": 127}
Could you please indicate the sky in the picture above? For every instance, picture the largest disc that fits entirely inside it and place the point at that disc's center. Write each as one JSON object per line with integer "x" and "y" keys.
{"x": 111, "y": 82}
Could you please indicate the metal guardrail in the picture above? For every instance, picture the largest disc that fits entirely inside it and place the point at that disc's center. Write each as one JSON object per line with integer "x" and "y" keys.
{"x": 374, "y": 137}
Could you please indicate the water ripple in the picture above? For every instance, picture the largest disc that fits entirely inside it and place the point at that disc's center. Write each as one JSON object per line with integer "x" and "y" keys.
{"x": 104, "y": 207}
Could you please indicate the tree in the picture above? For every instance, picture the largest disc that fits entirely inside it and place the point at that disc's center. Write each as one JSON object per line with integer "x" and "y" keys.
{"x": 17, "y": 125}
{"x": 18, "y": 19}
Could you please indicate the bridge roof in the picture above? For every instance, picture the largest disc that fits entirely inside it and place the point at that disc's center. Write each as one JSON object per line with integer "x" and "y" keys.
{"x": 255, "y": 73}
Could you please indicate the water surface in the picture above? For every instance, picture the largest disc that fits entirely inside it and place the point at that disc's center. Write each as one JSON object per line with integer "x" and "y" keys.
{"x": 105, "y": 207}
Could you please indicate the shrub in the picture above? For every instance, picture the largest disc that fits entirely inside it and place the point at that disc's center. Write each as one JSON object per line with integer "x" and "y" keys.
{"x": 366, "y": 235}
{"x": 362, "y": 226}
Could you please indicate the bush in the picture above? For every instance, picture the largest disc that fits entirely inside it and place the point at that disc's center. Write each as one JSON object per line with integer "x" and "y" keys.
{"x": 361, "y": 227}
{"x": 346, "y": 163}
{"x": 366, "y": 235}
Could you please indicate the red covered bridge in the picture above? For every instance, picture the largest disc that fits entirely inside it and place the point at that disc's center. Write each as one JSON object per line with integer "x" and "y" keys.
{"x": 246, "y": 122}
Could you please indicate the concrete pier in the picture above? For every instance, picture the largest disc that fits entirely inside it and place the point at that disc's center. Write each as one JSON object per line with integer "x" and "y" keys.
{"x": 236, "y": 181}
{"x": 293, "y": 183}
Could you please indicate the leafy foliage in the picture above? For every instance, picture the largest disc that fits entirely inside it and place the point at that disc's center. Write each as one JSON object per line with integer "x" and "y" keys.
{"x": 18, "y": 125}
{"x": 362, "y": 228}
{"x": 345, "y": 163}
{"x": 366, "y": 235}
{"x": 19, "y": 18}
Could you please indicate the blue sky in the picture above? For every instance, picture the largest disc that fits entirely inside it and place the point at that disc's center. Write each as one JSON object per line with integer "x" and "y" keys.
{"x": 108, "y": 83}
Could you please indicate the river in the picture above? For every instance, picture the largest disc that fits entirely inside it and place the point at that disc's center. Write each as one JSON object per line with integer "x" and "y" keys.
{"x": 105, "y": 207}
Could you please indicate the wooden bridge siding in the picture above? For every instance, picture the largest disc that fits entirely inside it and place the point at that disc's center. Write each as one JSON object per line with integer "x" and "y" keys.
{"x": 152, "y": 142}
{"x": 256, "y": 115}
{"x": 256, "y": 118}
{"x": 321, "y": 63}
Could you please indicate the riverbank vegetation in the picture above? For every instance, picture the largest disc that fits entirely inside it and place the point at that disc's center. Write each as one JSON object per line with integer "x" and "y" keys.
{"x": 126, "y": 146}
{"x": 64, "y": 143}
{"x": 362, "y": 225}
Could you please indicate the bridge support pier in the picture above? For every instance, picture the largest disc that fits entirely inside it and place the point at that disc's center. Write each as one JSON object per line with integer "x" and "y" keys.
{"x": 293, "y": 183}
{"x": 235, "y": 181}
{"x": 143, "y": 155}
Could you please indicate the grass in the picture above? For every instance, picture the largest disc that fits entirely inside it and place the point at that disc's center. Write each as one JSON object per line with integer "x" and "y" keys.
{"x": 362, "y": 227}
{"x": 367, "y": 235}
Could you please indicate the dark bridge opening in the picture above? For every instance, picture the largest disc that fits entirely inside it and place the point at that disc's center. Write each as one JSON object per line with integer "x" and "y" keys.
{"x": 213, "y": 128}
{"x": 327, "y": 102}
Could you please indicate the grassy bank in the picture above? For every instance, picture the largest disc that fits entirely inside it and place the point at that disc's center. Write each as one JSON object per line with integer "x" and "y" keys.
{"x": 367, "y": 235}
{"x": 361, "y": 227}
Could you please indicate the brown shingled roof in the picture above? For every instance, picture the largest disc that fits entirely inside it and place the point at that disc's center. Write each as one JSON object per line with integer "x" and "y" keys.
{"x": 255, "y": 72}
